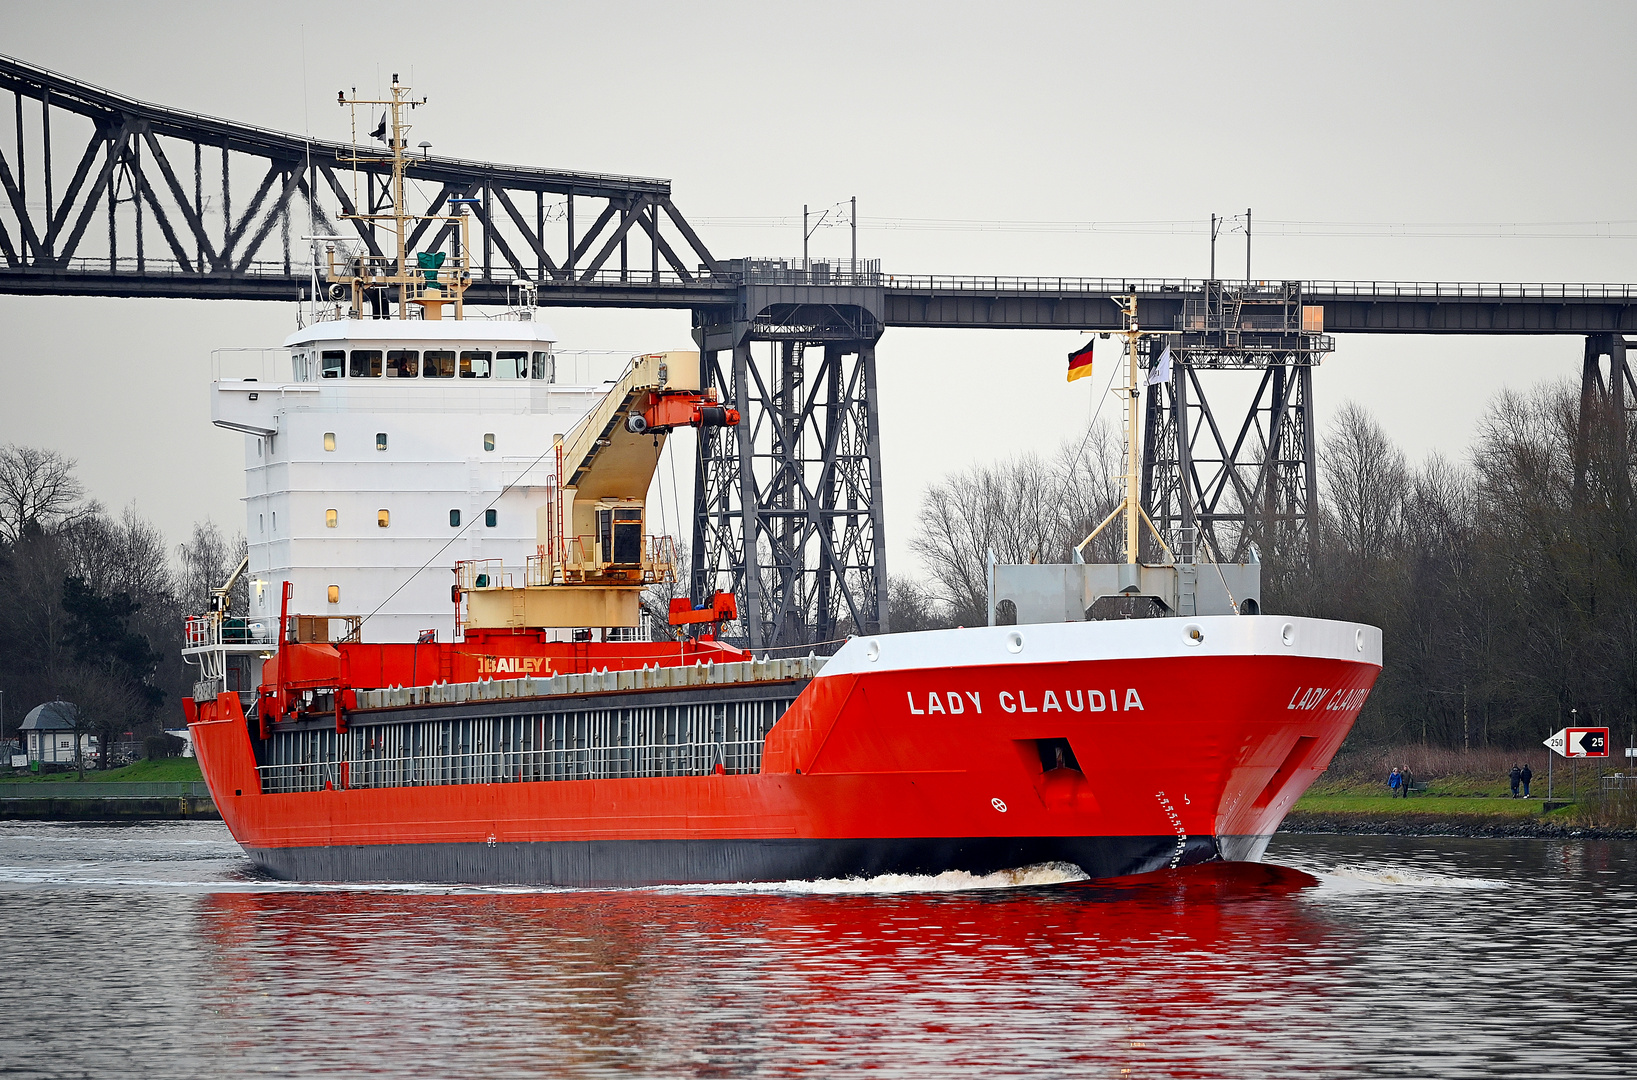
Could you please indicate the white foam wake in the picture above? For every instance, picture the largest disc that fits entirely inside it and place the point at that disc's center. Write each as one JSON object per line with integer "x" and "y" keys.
{"x": 1022, "y": 877}
{"x": 1355, "y": 877}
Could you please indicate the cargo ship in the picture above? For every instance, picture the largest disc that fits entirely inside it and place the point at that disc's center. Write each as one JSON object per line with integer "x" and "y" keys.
{"x": 517, "y": 725}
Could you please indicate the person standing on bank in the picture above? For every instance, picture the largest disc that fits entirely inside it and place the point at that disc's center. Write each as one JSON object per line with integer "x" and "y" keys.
{"x": 1404, "y": 782}
{"x": 1525, "y": 776}
{"x": 1515, "y": 776}
{"x": 1395, "y": 780}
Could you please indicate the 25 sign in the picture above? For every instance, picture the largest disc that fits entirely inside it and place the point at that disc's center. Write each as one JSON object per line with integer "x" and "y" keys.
{"x": 1581, "y": 742}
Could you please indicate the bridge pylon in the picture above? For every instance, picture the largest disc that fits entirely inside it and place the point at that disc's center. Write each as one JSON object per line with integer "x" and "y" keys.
{"x": 1602, "y": 459}
{"x": 788, "y": 506}
{"x": 1218, "y": 470}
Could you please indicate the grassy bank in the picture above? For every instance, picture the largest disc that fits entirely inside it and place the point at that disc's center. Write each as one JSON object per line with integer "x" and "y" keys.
{"x": 1465, "y": 792}
{"x": 160, "y": 770}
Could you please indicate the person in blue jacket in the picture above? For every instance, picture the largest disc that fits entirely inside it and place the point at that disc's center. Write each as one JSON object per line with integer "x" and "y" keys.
{"x": 1395, "y": 780}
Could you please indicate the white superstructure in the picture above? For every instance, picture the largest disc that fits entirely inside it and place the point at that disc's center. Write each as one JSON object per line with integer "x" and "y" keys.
{"x": 378, "y": 452}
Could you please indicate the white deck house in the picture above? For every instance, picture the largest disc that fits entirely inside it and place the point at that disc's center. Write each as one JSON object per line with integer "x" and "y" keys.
{"x": 378, "y": 452}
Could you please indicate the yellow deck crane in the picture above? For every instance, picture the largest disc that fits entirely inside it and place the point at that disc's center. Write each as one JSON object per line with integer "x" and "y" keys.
{"x": 594, "y": 555}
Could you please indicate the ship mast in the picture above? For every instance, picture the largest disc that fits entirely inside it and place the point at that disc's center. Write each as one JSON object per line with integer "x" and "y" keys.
{"x": 1130, "y": 507}
{"x": 434, "y": 281}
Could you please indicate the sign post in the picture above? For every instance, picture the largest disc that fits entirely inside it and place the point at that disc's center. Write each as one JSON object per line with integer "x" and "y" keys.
{"x": 1576, "y": 742}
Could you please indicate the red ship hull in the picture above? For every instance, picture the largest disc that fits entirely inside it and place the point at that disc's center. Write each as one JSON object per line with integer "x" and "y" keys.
{"x": 1119, "y": 747}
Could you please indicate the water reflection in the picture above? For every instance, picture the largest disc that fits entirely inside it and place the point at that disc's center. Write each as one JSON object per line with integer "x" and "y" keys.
{"x": 1130, "y": 975}
{"x": 149, "y": 950}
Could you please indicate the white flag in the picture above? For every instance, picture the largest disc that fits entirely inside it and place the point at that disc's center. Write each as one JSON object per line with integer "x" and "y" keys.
{"x": 1161, "y": 371}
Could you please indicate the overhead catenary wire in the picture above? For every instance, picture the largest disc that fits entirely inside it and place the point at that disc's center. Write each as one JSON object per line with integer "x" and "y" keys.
{"x": 1603, "y": 229}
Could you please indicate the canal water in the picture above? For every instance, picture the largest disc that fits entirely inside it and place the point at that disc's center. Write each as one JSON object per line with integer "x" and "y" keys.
{"x": 153, "y": 950}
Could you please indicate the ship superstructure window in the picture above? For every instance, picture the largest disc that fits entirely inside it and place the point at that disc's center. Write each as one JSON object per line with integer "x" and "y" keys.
{"x": 511, "y": 365}
{"x": 334, "y": 594}
{"x": 380, "y": 440}
{"x": 488, "y": 440}
{"x": 545, "y": 366}
{"x": 454, "y": 519}
{"x": 403, "y": 363}
{"x": 438, "y": 364}
{"x": 329, "y": 441}
{"x": 331, "y": 363}
{"x": 491, "y": 518}
{"x": 383, "y": 518}
{"x": 331, "y": 518}
{"x": 476, "y": 363}
{"x": 366, "y": 364}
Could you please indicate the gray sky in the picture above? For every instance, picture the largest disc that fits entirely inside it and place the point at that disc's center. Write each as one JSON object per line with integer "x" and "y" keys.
{"x": 1472, "y": 115}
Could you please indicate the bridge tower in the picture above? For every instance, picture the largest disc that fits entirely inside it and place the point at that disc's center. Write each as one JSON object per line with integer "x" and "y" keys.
{"x": 1255, "y": 481}
{"x": 788, "y": 509}
{"x": 1602, "y": 460}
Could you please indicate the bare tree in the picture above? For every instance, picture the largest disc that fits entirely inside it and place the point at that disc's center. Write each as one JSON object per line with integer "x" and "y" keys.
{"x": 204, "y": 562}
{"x": 1024, "y": 509}
{"x": 38, "y": 490}
{"x": 1365, "y": 478}
{"x": 105, "y": 706}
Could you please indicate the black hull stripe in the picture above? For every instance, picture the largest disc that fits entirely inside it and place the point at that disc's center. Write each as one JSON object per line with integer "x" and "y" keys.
{"x": 592, "y": 863}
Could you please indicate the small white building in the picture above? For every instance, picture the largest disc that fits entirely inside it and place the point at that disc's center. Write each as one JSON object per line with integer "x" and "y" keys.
{"x": 48, "y": 735}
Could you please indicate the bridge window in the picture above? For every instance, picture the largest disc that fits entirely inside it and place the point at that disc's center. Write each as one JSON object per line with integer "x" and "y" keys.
{"x": 511, "y": 365}
{"x": 476, "y": 363}
{"x": 380, "y": 440}
{"x": 331, "y": 518}
{"x": 366, "y": 364}
{"x": 383, "y": 518}
{"x": 331, "y": 364}
{"x": 329, "y": 441}
{"x": 334, "y": 593}
{"x": 438, "y": 364}
{"x": 403, "y": 363}
{"x": 454, "y": 519}
{"x": 545, "y": 366}
{"x": 488, "y": 440}
{"x": 491, "y": 518}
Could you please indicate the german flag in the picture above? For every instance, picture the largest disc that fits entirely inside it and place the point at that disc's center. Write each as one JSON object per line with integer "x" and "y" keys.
{"x": 1080, "y": 361}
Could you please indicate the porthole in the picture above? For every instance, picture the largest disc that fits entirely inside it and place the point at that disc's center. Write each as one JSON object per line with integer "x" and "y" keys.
{"x": 1193, "y": 634}
{"x": 491, "y": 518}
{"x": 331, "y": 518}
{"x": 1358, "y": 639}
{"x": 454, "y": 519}
{"x": 1288, "y": 635}
{"x": 383, "y": 518}
{"x": 872, "y": 651}
{"x": 335, "y": 594}
{"x": 1014, "y": 642}
{"x": 380, "y": 440}
{"x": 329, "y": 441}
{"x": 488, "y": 440}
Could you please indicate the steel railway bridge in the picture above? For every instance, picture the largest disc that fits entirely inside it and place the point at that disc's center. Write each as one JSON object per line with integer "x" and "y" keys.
{"x": 104, "y": 195}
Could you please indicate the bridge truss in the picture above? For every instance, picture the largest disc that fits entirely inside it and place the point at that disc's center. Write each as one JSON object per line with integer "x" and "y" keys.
{"x": 108, "y": 196}
{"x": 104, "y": 195}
